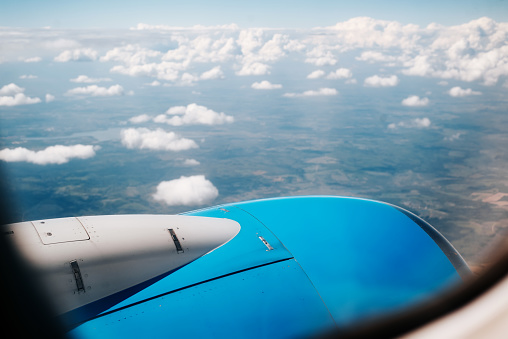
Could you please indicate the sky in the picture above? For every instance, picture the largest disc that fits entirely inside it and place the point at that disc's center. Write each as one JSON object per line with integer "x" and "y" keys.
{"x": 261, "y": 13}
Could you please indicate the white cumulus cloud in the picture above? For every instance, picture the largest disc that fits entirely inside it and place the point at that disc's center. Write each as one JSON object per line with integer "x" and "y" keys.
{"x": 11, "y": 89}
{"x": 265, "y": 85}
{"x": 86, "y": 79}
{"x": 316, "y": 74}
{"x": 191, "y": 162}
{"x": 255, "y": 68}
{"x": 32, "y": 59}
{"x": 321, "y": 56}
{"x": 187, "y": 191}
{"x": 18, "y": 99}
{"x": 214, "y": 73}
{"x": 138, "y": 119}
{"x": 79, "y": 54}
{"x": 193, "y": 114}
{"x": 453, "y": 137}
{"x": 311, "y": 93}
{"x": 154, "y": 83}
{"x": 97, "y": 91}
{"x": 373, "y": 56}
{"x": 12, "y": 95}
{"x": 50, "y": 98}
{"x": 58, "y": 154}
{"x": 131, "y": 55}
{"x": 415, "y": 123}
{"x": 341, "y": 73}
{"x": 460, "y": 92}
{"x": 143, "y": 138}
{"x": 28, "y": 76}
{"x": 415, "y": 101}
{"x": 377, "y": 81}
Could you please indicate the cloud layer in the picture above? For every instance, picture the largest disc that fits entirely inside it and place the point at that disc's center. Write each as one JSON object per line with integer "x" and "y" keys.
{"x": 472, "y": 51}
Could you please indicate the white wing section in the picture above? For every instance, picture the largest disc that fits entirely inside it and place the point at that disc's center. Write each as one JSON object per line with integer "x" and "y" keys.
{"x": 82, "y": 260}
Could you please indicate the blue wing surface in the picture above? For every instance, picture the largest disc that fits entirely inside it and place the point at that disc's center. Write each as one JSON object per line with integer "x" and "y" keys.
{"x": 298, "y": 266}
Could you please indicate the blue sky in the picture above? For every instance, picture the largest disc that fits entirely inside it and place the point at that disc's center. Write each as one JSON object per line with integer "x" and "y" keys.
{"x": 261, "y": 13}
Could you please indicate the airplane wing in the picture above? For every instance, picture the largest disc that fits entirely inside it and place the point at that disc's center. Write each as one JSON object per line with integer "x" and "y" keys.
{"x": 286, "y": 267}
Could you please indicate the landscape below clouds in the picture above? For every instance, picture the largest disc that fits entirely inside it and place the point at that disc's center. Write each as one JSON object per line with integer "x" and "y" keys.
{"x": 162, "y": 119}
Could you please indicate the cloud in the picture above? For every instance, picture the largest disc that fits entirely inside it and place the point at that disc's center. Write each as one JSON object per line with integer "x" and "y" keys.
{"x": 377, "y": 81}
{"x": 365, "y": 32}
{"x": 273, "y": 49}
{"x": 341, "y": 73}
{"x": 49, "y": 97}
{"x": 249, "y": 40}
{"x": 469, "y": 52}
{"x": 321, "y": 92}
{"x": 28, "y": 76}
{"x": 214, "y": 73}
{"x": 320, "y": 56}
{"x": 192, "y": 114}
{"x": 154, "y": 83}
{"x": 187, "y": 191}
{"x": 415, "y": 101}
{"x": 459, "y": 92}
{"x": 58, "y": 154}
{"x": 373, "y": 56}
{"x": 188, "y": 79}
{"x": 140, "y": 119}
{"x": 203, "y": 49}
{"x": 32, "y": 59}
{"x": 453, "y": 137}
{"x": 472, "y": 51}
{"x": 191, "y": 162}
{"x": 11, "y": 89}
{"x": 142, "y": 27}
{"x": 265, "y": 85}
{"x": 415, "y": 123}
{"x": 162, "y": 71}
{"x": 143, "y": 138}
{"x": 96, "y": 91}
{"x": 86, "y": 79}
{"x": 316, "y": 74}
{"x": 294, "y": 46}
{"x": 131, "y": 55}
{"x": 18, "y": 99}
{"x": 256, "y": 51}
{"x": 80, "y": 54}
{"x": 255, "y": 68}
{"x": 12, "y": 95}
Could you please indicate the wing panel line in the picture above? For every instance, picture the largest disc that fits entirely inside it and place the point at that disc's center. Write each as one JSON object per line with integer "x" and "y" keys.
{"x": 183, "y": 288}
